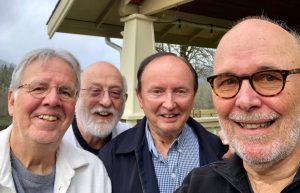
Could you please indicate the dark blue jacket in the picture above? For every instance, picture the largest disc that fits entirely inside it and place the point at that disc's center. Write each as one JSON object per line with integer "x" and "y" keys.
{"x": 129, "y": 163}
{"x": 225, "y": 177}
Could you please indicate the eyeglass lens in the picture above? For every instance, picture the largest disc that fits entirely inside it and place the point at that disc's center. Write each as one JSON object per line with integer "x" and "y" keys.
{"x": 265, "y": 83}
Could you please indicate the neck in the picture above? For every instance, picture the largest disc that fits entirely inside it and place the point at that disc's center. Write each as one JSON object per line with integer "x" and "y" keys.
{"x": 163, "y": 142}
{"x": 37, "y": 158}
{"x": 273, "y": 178}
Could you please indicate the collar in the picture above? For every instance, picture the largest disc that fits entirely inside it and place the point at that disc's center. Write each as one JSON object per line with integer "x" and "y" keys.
{"x": 177, "y": 143}
{"x": 233, "y": 171}
{"x": 82, "y": 141}
{"x": 137, "y": 136}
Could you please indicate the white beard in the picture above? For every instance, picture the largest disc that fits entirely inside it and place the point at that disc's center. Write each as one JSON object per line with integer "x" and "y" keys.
{"x": 279, "y": 148}
{"x": 100, "y": 128}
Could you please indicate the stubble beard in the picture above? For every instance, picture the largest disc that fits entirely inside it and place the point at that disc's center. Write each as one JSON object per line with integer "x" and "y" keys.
{"x": 259, "y": 151}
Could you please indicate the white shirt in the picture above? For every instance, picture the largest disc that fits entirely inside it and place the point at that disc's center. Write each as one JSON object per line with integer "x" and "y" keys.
{"x": 76, "y": 169}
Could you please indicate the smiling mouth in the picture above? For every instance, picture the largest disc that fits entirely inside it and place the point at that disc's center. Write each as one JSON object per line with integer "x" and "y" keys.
{"x": 256, "y": 125}
{"x": 48, "y": 117}
{"x": 105, "y": 114}
{"x": 169, "y": 115}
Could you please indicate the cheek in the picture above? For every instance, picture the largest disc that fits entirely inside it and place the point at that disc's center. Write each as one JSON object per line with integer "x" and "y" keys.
{"x": 117, "y": 105}
{"x": 24, "y": 106}
{"x": 69, "y": 109}
{"x": 150, "y": 105}
{"x": 285, "y": 104}
{"x": 222, "y": 106}
{"x": 186, "y": 105}
{"x": 89, "y": 104}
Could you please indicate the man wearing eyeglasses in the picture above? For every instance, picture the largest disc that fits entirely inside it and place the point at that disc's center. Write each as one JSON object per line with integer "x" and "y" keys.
{"x": 41, "y": 101}
{"x": 256, "y": 94}
{"x": 99, "y": 107}
{"x": 156, "y": 154}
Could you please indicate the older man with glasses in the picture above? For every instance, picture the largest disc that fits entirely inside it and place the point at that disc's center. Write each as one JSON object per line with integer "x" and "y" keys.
{"x": 157, "y": 153}
{"x": 41, "y": 101}
{"x": 99, "y": 107}
{"x": 256, "y": 94}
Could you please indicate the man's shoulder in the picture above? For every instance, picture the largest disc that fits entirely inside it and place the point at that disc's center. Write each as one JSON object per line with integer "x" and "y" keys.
{"x": 69, "y": 135}
{"x": 200, "y": 131}
{"x": 76, "y": 156}
{"x": 120, "y": 128}
{"x": 124, "y": 139}
{"x": 126, "y": 142}
{"x": 218, "y": 177}
{"x": 203, "y": 179}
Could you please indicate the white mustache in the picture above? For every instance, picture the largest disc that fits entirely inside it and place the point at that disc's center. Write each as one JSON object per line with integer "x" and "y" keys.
{"x": 99, "y": 109}
{"x": 248, "y": 117}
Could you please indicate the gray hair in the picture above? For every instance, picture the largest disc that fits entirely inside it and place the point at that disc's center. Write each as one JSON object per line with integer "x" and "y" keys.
{"x": 44, "y": 54}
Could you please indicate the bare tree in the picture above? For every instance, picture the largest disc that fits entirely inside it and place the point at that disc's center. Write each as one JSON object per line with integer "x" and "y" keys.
{"x": 202, "y": 60}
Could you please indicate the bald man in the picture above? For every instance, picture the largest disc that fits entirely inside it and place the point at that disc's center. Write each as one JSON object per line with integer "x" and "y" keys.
{"x": 99, "y": 108}
{"x": 256, "y": 94}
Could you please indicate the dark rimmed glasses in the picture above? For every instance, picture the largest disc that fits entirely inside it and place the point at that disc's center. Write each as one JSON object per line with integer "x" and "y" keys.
{"x": 41, "y": 90}
{"x": 99, "y": 93}
{"x": 266, "y": 83}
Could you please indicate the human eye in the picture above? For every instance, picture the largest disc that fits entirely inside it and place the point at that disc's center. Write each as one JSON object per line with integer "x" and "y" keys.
{"x": 268, "y": 77}
{"x": 94, "y": 92}
{"x": 225, "y": 81}
{"x": 156, "y": 93}
{"x": 181, "y": 92}
{"x": 66, "y": 92}
{"x": 116, "y": 94}
{"x": 37, "y": 88}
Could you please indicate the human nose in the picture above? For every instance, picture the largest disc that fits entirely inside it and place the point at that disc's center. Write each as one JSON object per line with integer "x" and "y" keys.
{"x": 105, "y": 99}
{"x": 168, "y": 101}
{"x": 52, "y": 97}
{"x": 247, "y": 98}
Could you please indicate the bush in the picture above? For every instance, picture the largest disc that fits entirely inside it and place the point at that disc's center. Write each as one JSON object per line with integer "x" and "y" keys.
{"x": 5, "y": 121}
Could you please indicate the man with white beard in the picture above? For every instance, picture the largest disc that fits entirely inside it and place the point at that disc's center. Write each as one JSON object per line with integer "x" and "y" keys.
{"x": 99, "y": 107}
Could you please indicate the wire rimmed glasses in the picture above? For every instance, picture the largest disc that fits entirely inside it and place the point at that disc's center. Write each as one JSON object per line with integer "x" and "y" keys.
{"x": 99, "y": 93}
{"x": 41, "y": 90}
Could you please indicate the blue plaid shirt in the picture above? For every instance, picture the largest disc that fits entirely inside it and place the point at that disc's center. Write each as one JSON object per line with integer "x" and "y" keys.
{"x": 183, "y": 156}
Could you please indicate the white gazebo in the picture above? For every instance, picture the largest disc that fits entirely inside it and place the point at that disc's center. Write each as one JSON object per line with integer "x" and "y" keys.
{"x": 141, "y": 23}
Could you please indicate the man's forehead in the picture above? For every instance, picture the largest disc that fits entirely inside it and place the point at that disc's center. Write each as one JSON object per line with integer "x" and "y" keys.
{"x": 252, "y": 41}
{"x": 102, "y": 78}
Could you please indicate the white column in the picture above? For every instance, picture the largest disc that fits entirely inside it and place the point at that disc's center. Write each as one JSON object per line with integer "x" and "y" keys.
{"x": 138, "y": 43}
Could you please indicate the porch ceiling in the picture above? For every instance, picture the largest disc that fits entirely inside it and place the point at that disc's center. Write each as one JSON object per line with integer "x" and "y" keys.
{"x": 189, "y": 22}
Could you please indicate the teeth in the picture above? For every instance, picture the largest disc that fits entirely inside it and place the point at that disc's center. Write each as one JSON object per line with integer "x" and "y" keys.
{"x": 168, "y": 116}
{"x": 253, "y": 126}
{"x": 48, "y": 117}
{"x": 104, "y": 113}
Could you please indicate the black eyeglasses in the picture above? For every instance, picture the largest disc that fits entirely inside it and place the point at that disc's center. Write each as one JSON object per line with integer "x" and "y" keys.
{"x": 97, "y": 92}
{"x": 41, "y": 90}
{"x": 266, "y": 83}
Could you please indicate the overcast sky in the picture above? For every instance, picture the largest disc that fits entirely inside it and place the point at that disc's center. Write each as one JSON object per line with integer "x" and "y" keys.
{"x": 23, "y": 28}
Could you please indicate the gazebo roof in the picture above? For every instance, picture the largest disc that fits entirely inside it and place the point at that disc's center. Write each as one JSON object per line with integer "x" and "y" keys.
{"x": 198, "y": 22}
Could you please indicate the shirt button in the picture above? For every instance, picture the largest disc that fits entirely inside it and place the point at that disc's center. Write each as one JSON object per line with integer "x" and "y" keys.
{"x": 173, "y": 175}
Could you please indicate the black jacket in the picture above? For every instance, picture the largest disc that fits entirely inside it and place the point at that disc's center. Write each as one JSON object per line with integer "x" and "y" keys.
{"x": 129, "y": 163}
{"x": 225, "y": 177}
